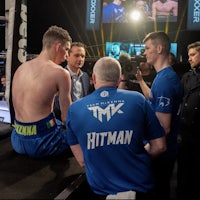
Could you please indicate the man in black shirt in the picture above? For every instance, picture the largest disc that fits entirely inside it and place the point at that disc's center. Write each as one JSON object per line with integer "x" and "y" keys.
{"x": 188, "y": 174}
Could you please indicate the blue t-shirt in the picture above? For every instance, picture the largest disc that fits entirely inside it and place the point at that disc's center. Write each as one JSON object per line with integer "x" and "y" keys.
{"x": 165, "y": 97}
{"x": 113, "y": 13}
{"x": 110, "y": 125}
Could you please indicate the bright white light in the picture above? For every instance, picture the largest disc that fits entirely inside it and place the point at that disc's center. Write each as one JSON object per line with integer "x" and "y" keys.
{"x": 135, "y": 15}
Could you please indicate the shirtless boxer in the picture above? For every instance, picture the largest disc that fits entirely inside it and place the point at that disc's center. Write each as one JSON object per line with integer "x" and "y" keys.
{"x": 164, "y": 8}
{"x": 36, "y": 82}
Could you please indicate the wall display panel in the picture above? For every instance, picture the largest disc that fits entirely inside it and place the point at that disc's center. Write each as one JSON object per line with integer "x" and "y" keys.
{"x": 149, "y": 10}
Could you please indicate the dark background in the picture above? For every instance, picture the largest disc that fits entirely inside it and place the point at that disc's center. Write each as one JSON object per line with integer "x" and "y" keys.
{"x": 71, "y": 14}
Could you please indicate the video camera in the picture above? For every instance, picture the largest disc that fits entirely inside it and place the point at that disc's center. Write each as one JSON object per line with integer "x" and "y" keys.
{"x": 129, "y": 67}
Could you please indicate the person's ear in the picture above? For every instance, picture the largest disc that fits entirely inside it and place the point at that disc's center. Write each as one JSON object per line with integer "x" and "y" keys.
{"x": 94, "y": 78}
{"x": 57, "y": 46}
{"x": 159, "y": 49}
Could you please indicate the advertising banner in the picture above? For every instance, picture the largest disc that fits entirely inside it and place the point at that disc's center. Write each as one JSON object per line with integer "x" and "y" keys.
{"x": 193, "y": 20}
{"x": 93, "y": 14}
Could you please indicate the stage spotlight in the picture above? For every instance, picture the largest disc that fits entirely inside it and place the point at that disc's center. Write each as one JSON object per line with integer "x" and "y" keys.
{"x": 135, "y": 15}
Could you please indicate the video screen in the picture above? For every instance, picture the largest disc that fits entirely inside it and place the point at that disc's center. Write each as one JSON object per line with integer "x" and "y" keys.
{"x": 174, "y": 49}
{"x": 127, "y": 11}
{"x": 114, "y": 49}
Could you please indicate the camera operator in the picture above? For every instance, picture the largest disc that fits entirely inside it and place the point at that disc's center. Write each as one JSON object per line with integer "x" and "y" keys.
{"x": 129, "y": 68}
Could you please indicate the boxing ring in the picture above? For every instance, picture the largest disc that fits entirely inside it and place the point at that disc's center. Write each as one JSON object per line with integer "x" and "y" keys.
{"x": 15, "y": 42}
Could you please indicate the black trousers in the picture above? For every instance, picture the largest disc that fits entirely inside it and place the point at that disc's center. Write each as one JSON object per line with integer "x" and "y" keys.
{"x": 188, "y": 172}
{"x": 163, "y": 169}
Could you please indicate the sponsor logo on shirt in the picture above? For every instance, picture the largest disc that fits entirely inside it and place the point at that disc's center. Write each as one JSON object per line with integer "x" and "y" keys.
{"x": 164, "y": 101}
{"x": 109, "y": 111}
